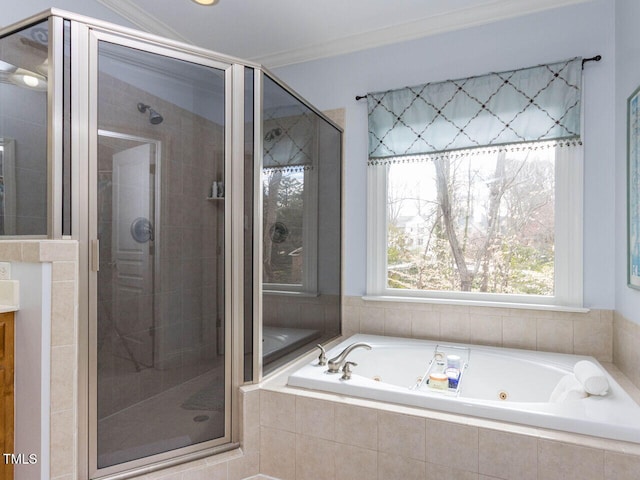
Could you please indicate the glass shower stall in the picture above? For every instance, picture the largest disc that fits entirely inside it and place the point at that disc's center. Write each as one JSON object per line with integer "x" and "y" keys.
{"x": 205, "y": 196}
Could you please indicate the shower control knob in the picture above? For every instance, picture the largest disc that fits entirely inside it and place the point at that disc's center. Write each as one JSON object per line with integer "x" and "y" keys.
{"x": 346, "y": 370}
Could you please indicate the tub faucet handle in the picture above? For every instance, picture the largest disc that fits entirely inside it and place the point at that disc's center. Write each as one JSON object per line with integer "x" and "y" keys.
{"x": 322, "y": 358}
{"x": 346, "y": 370}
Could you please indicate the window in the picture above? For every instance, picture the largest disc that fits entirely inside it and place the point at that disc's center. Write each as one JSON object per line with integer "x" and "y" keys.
{"x": 484, "y": 223}
{"x": 492, "y": 226}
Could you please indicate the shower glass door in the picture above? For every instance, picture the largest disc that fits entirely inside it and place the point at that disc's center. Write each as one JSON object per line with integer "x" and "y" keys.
{"x": 160, "y": 376}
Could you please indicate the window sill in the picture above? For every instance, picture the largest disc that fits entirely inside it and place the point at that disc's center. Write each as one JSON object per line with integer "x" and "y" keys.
{"x": 474, "y": 303}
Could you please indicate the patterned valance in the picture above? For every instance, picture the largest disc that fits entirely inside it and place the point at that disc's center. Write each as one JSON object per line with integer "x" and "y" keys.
{"x": 289, "y": 139}
{"x": 527, "y": 105}
{"x": 479, "y": 152}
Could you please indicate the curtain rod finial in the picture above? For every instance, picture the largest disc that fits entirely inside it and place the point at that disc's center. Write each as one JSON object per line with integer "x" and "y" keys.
{"x": 597, "y": 58}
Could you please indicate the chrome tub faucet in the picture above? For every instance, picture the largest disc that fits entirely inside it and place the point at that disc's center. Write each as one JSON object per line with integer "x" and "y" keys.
{"x": 336, "y": 363}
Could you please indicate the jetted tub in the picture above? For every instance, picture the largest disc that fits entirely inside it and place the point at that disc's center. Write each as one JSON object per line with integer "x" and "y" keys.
{"x": 498, "y": 383}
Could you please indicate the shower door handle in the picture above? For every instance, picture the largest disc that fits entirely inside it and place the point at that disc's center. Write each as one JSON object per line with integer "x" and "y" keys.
{"x": 95, "y": 255}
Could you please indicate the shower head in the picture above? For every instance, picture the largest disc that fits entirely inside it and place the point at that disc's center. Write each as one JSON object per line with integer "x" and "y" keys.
{"x": 154, "y": 117}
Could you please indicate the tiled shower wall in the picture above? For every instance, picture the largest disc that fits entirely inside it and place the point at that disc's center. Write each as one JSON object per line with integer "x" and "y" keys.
{"x": 23, "y": 118}
{"x": 187, "y": 300}
{"x": 321, "y": 312}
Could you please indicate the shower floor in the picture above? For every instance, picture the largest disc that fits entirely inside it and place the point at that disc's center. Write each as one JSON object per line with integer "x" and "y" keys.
{"x": 186, "y": 414}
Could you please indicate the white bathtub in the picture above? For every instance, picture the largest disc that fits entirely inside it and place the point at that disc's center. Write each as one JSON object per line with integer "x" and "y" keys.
{"x": 389, "y": 372}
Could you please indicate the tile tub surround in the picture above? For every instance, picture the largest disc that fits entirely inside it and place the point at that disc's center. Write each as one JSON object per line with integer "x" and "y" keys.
{"x": 626, "y": 354}
{"x": 588, "y": 333}
{"x": 349, "y": 429}
{"x": 305, "y": 433}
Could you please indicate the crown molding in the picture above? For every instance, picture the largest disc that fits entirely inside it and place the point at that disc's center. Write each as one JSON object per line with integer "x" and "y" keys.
{"x": 143, "y": 19}
{"x": 486, "y": 13}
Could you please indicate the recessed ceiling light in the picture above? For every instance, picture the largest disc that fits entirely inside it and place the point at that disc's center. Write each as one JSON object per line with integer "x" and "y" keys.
{"x": 206, "y": 2}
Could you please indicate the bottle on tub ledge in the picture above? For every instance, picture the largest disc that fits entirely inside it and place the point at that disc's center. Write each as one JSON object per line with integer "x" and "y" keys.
{"x": 453, "y": 370}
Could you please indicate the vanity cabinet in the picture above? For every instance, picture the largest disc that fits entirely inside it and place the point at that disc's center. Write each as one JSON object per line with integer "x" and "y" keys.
{"x": 6, "y": 392}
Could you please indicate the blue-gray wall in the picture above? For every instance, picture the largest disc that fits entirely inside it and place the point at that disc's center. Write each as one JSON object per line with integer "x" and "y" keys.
{"x": 584, "y": 30}
{"x": 627, "y": 80}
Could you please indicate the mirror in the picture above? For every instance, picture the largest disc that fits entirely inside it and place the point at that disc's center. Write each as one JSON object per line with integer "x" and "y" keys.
{"x": 23, "y": 131}
{"x": 7, "y": 187}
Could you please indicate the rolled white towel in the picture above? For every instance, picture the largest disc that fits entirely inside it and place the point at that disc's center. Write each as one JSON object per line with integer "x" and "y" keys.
{"x": 592, "y": 378}
{"x": 568, "y": 388}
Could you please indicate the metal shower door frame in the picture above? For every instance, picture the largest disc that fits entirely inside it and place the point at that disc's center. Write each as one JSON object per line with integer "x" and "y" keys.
{"x": 88, "y": 174}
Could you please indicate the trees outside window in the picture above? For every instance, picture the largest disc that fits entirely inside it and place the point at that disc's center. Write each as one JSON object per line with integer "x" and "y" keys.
{"x": 492, "y": 223}
{"x": 482, "y": 223}
{"x": 283, "y": 194}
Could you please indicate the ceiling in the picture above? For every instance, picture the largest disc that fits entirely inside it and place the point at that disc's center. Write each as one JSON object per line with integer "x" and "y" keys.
{"x": 281, "y": 32}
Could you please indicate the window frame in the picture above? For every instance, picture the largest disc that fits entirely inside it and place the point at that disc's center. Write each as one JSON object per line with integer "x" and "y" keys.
{"x": 568, "y": 228}
{"x": 309, "y": 285}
